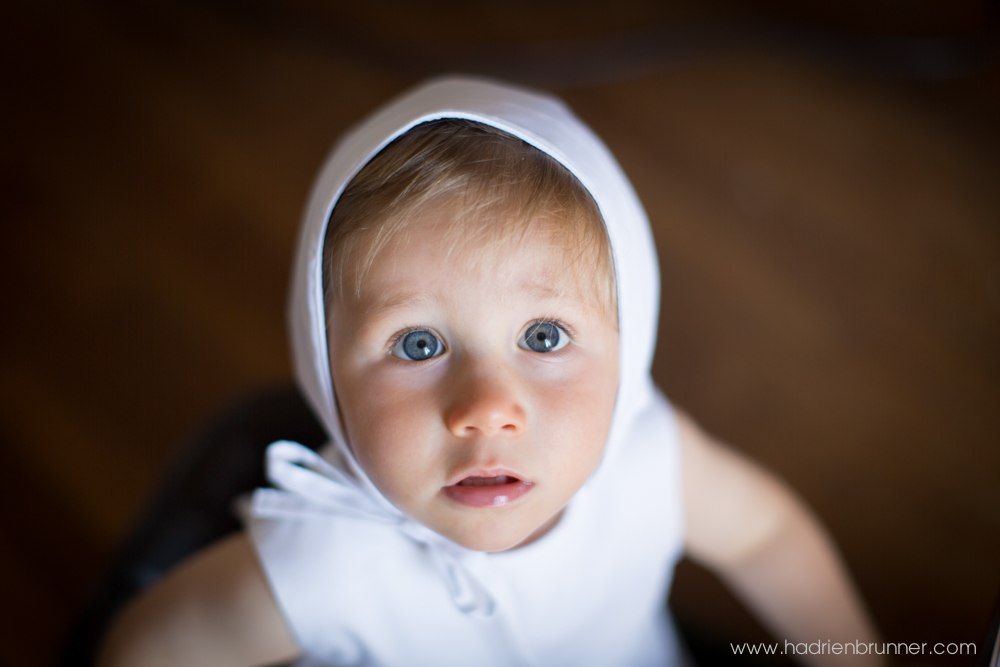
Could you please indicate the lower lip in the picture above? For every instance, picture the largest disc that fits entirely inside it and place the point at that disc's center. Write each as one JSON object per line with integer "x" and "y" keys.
{"x": 487, "y": 496}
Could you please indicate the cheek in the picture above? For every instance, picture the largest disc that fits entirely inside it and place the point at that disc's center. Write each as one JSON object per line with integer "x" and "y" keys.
{"x": 386, "y": 423}
{"x": 577, "y": 418}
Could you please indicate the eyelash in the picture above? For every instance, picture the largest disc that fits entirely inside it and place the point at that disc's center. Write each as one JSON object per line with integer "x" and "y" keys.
{"x": 556, "y": 321}
{"x": 402, "y": 334}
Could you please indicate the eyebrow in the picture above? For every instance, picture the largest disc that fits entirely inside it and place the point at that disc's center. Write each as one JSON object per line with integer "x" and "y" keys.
{"x": 547, "y": 292}
{"x": 394, "y": 301}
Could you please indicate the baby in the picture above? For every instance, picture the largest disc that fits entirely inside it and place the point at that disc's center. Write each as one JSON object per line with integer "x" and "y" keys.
{"x": 473, "y": 315}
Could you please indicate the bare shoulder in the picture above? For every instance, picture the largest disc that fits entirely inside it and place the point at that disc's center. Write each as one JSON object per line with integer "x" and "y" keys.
{"x": 731, "y": 503}
{"x": 215, "y": 608}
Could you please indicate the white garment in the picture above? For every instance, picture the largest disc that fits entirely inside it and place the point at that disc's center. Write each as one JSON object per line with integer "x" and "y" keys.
{"x": 362, "y": 584}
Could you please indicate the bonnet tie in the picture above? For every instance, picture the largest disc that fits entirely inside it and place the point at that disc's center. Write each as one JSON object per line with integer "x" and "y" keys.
{"x": 308, "y": 485}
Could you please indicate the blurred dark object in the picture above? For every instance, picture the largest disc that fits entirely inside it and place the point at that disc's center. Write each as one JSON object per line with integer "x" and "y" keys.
{"x": 194, "y": 506}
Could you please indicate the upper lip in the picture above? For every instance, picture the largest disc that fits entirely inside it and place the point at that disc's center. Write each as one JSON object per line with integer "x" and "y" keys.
{"x": 484, "y": 472}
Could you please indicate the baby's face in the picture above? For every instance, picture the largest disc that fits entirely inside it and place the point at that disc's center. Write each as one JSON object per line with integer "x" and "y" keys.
{"x": 476, "y": 395}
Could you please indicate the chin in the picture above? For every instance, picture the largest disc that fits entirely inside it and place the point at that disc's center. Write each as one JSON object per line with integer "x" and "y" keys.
{"x": 489, "y": 540}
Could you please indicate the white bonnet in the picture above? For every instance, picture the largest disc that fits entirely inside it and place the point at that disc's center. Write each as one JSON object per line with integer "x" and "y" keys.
{"x": 547, "y": 124}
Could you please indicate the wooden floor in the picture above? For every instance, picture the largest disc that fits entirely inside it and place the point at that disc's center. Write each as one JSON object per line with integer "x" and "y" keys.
{"x": 829, "y": 241}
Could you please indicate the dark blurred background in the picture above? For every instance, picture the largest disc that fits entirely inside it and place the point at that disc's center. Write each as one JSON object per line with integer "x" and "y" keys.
{"x": 823, "y": 179}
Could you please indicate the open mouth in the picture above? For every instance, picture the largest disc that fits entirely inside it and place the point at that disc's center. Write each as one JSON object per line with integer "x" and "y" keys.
{"x": 487, "y": 491}
{"x": 499, "y": 480}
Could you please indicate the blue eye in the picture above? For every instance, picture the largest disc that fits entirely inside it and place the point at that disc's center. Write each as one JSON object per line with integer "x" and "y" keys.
{"x": 544, "y": 337}
{"x": 417, "y": 346}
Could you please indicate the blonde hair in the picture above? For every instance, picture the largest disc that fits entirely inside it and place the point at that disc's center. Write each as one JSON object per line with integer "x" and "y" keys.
{"x": 498, "y": 188}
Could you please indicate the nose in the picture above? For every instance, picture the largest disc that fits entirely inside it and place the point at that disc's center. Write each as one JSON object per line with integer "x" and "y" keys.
{"x": 486, "y": 403}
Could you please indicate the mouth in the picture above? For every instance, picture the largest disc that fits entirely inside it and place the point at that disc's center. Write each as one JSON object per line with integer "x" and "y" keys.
{"x": 492, "y": 491}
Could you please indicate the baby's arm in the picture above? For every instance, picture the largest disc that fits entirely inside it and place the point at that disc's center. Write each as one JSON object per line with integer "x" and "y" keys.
{"x": 750, "y": 529}
{"x": 213, "y": 609}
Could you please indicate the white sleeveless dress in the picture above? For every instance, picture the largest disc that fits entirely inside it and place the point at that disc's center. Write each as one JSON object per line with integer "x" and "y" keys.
{"x": 356, "y": 590}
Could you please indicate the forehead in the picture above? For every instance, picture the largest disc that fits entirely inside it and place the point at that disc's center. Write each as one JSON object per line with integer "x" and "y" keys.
{"x": 538, "y": 259}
